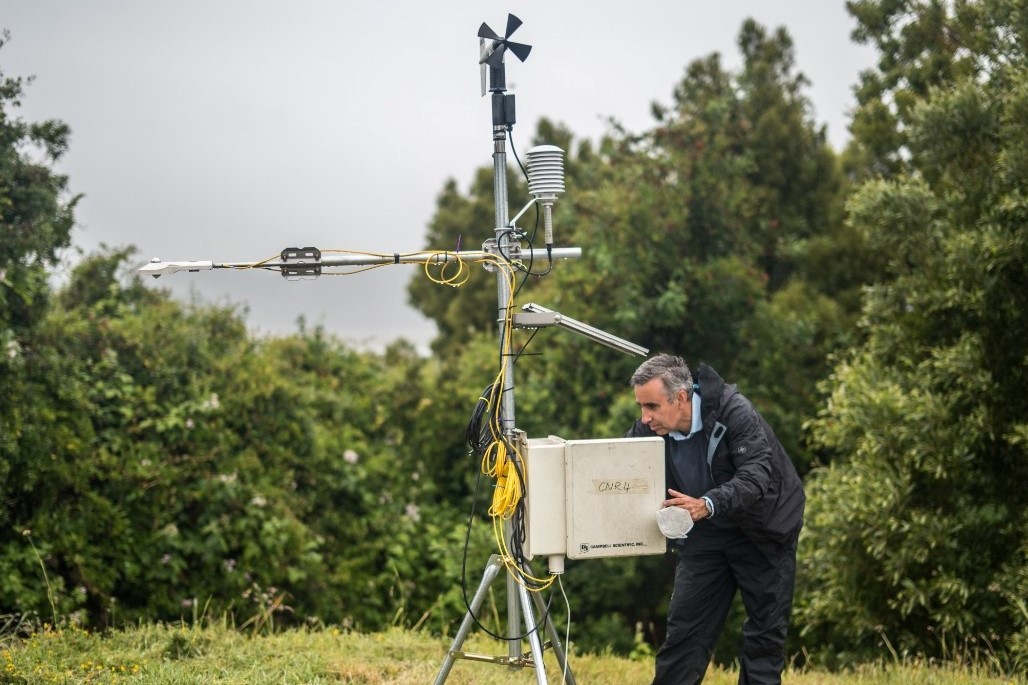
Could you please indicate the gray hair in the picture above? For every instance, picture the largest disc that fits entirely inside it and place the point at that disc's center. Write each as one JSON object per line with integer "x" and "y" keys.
{"x": 671, "y": 370}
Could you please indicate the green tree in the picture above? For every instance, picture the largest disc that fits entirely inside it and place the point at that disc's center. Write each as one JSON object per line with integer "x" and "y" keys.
{"x": 35, "y": 212}
{"x": 918, "y": 531}
{"x": 36, "y": 217}
{"x": 922, "y": 44}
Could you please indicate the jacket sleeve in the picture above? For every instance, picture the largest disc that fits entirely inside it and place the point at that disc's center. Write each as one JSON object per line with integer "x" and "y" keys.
{"x": 749, "y": 449}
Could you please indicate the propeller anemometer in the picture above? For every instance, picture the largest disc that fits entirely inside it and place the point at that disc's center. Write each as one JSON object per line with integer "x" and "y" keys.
{"x": 494, "y": 57}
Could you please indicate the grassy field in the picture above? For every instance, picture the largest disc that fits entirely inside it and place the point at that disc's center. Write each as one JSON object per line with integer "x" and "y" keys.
{"x": 167, "y": 655}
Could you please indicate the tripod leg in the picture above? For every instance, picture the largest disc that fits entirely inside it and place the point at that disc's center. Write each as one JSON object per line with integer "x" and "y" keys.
{"x": 491, "y": 569}
{"x": 533, "y": 635}
{"x": 555, "y": 643}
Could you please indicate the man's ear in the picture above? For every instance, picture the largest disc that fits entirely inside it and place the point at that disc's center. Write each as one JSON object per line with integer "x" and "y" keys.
{"x": 682, "y": 397}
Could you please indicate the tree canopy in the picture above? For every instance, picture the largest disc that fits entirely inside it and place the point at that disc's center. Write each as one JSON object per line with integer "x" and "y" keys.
{"x": 36, "y": 215}
{"x": 918, "y": 531}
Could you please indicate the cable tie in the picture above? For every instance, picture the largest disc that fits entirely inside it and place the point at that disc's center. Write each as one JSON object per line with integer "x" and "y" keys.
{"x": 396, "y": 258}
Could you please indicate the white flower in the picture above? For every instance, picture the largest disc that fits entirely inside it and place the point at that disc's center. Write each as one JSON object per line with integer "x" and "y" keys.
{"x": 350, "y": 457}
{"x": 412, "y": 512}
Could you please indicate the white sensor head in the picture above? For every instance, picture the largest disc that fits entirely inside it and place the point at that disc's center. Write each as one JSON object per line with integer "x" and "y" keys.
{"x": 545, "y": 171}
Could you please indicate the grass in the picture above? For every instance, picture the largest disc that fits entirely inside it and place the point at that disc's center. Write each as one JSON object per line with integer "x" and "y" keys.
{"x": 171, "y": 655}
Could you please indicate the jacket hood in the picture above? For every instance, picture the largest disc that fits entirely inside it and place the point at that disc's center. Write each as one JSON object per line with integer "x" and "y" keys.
{"x": 711, "y": 388}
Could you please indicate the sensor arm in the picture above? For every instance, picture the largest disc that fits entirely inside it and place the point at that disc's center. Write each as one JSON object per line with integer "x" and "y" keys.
{"x": 308, "y": 257}
{"x": 536, "y": 316}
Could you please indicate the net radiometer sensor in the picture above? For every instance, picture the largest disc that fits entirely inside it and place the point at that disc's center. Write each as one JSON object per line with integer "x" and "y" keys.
{"x": 588, "y": 499}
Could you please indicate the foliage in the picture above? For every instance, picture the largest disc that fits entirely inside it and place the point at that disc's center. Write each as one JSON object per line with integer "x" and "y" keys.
{"x": 164, "y": 448}
{"x": 923, "y": 45}
{"x": 797, "y": 329}
{"x": 35, "y": 215}
{"x": 918, "y": 532}
{"x": 35, "y": 225}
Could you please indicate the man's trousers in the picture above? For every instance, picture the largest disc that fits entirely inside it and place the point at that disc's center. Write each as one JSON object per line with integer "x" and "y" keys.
{"x": 712, "y": 564}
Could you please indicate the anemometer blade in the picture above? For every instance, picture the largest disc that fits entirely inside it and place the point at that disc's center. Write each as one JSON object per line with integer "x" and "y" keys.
{"x": 485, "y": 32}
{"x": 520, "y": 50}
{"x": 512, "y": 25}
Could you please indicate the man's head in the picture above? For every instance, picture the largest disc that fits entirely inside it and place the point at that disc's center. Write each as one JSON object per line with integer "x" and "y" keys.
{"x": 663, "y": 392}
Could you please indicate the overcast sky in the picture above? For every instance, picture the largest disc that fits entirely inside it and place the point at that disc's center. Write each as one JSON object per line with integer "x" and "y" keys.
{"x": 227, "y": 130}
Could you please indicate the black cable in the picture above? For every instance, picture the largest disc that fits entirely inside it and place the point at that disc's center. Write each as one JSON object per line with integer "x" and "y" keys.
{"x": 524, "y": 347}
{"x": 524, "y": 172}
{"x": 477, "y": 435}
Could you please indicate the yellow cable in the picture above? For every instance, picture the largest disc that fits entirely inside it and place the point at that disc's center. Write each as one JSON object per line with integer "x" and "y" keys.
{"x": 507, "y": 491}
{"x": 519, "y": 574}
{"x": 256, "y": 265}
{"x": 456, "y": 280}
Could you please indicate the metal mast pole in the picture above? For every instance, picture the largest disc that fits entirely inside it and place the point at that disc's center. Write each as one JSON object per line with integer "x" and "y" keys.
{"x": 506, "y": 246}
{"x": 502, "y": 242}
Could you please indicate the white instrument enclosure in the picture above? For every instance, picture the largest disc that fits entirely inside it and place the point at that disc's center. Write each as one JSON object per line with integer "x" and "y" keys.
{"x": 589, "y": 499}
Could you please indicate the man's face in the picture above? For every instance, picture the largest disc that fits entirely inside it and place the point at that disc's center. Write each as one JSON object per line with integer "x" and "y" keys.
{"x": 660, "y": 414}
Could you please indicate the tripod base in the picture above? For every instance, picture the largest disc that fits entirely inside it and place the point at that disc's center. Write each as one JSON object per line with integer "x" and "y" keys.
{"x": 533, "y": 658}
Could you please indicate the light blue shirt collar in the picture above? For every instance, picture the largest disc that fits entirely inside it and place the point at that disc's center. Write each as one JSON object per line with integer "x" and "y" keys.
{"x": 697, "y": 421}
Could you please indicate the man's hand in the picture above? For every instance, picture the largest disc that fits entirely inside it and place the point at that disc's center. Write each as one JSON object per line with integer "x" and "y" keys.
{"x": 697, "y": 508}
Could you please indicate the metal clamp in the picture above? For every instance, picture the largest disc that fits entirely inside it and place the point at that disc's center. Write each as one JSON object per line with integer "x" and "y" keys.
{"x": 305, "y": 262}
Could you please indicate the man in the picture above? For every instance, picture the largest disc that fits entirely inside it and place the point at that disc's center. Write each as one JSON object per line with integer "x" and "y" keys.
{"x": 726, "y": 468}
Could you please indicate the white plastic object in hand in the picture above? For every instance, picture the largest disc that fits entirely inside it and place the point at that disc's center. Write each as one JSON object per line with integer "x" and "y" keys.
{"x": 674, "y": 522}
